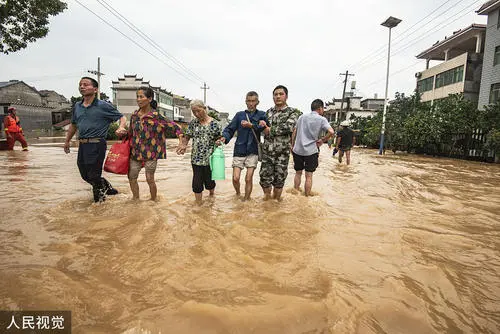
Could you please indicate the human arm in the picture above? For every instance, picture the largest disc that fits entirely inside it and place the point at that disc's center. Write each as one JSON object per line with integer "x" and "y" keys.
{"x": 6, "y": 123}
{"x": 184, "y": 140}
{"x": 294, "y": 135}
{"x": 69, "y": 135}
{"x": 230, "y": 129}
{"x": 337, "y": 143}
{"x": 323, "y": 140}
{"x": 121, "y": 127}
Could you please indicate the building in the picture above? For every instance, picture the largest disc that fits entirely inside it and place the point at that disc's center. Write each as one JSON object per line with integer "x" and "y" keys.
{"x": 337, "y": 112}
{"x": 373, "y": 104}
{"x": 54, "y": 100}
{"x": 125, "y": 100}
{"x": 124, "y": 93}
{"x": 32, "y": 107}
{"x": 459, "y": 70}
{"x": 181, "y": 103}
{"x": 490, "y": 80}
{"x": 61, "y": 105}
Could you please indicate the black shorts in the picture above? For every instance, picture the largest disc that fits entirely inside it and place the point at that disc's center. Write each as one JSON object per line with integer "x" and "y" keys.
{"x": 309, "y": 163}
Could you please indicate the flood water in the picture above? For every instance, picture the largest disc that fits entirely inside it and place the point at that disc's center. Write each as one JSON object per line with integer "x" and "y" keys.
{"x": 392, "y": 244}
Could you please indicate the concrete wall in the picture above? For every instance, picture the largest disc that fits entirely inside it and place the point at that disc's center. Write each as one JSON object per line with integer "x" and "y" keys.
{"x": 490, "y": 74}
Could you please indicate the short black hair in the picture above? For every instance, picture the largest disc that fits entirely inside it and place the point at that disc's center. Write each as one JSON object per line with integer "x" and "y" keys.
{"x": 252, "y": 93}
{"x": 281, "y": 87}
{"x": 94, "y": 81}
{"x": 316, "y": 104}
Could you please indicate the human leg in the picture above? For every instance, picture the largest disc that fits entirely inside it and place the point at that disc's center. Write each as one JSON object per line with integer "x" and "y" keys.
{"x": 298, "y": 165}
{"x": 348, "y": 157}
{"x": 236, "y": 179}
{"x": 207, "y": 180}
{"x": 280, "y": 174}
{"x": 133, "y": 173}
{"x": 297, "y": 179}
{"x": 20, "y": 138}
{"x": 249, "y": 182}
{"x": 95, "y": 159}
{"x": 197, "y": 183}
{"x": 266, "y": 174}
{"x": 311, "y": 163}
{"x": 10, "y": 141}
{"x": 150, "y": 167}
{"x": 308, "y": 183}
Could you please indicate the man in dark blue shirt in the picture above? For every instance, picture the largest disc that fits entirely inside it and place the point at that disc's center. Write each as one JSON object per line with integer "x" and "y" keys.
{"x": 246, "y": 149}
{"x": 92, "y": 118}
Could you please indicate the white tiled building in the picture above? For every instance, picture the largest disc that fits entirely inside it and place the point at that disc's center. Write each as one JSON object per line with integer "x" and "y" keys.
{"x": 459, "y": 70}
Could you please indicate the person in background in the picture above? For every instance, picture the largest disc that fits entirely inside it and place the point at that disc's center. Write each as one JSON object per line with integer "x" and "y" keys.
{"x": 246, "y": 124}
{"x": 147, "y": 134}
{"x": 306, "y": 142}
{"x": 13, "y": 130}
{"x": 92, "y": 118}
{"x": 281, "y": 120}
{"x": 345, "y": 141}
{"x": 205, "y": 131}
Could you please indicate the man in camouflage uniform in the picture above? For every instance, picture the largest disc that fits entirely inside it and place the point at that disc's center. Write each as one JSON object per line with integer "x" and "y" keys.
{"x": 277, "y": 142}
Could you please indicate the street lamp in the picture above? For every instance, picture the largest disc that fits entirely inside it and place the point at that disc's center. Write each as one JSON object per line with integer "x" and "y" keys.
{"x": 390, "y": 23}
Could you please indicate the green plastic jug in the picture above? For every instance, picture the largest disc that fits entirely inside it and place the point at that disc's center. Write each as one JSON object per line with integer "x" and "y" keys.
{"x": 218, "y": 164}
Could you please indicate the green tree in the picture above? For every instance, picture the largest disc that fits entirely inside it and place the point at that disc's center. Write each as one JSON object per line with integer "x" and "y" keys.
{"x": 111, "y": 131}
{"x": 24, "y": 21}
{"x": 214, "y": 114}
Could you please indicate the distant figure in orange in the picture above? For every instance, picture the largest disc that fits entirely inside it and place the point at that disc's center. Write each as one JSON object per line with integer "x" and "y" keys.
{"x": 13, "y": 130}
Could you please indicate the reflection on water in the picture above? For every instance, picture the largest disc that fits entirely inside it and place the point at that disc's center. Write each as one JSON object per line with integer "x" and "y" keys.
{"x": 393, "y": 244}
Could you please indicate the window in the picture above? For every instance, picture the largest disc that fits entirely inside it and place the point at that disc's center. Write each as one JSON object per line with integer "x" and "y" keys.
{"x": 425, "y": 85}
{"x": 450, "y": 77}
{"x": 496, "y": 56}
{"x": 495, "y": 93}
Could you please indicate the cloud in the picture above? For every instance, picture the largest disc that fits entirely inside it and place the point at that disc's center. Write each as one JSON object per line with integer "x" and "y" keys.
{"x": 237, "y": 46}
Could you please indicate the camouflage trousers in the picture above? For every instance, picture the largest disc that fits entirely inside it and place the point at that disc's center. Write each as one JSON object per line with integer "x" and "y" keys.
{"x": 274, "y": 168}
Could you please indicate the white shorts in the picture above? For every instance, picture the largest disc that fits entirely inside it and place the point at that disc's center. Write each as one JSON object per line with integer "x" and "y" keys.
{"x": 250, "y": 161}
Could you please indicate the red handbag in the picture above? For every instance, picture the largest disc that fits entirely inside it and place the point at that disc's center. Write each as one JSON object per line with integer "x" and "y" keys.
{"x": 117, "y": 159}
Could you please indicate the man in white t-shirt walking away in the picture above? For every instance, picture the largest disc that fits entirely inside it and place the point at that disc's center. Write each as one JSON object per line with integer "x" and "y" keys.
{"x": 306, "y": 142}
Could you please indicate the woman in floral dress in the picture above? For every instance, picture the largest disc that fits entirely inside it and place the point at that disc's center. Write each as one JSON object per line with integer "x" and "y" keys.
{"x": 147, "y": 140}
{"x": 205, "y": 131}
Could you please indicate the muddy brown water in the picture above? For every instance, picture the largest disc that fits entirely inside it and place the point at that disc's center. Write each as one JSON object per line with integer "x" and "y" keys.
{"x": 392, "y": 244}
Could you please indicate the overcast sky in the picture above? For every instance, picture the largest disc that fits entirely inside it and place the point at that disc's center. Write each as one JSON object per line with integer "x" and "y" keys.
{"x": 242, "y": 45}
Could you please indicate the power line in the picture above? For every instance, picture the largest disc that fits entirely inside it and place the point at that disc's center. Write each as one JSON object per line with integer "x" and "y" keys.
{"x": 394, "y": 73}
{"x": 402, "y": 35}
{"x": 137, "y": 44}
{"x": 149, "y": 40}
{"x": 422, "y": 36}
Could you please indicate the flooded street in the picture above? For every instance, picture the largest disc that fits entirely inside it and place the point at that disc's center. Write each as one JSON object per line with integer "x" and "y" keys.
{"x": 393, "y": 244}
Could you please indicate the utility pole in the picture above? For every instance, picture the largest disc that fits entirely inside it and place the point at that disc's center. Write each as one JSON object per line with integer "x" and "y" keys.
{"x": 343, "y": 92}
{"x": 205, "y": 87}
{"x": 98, "y": 73}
